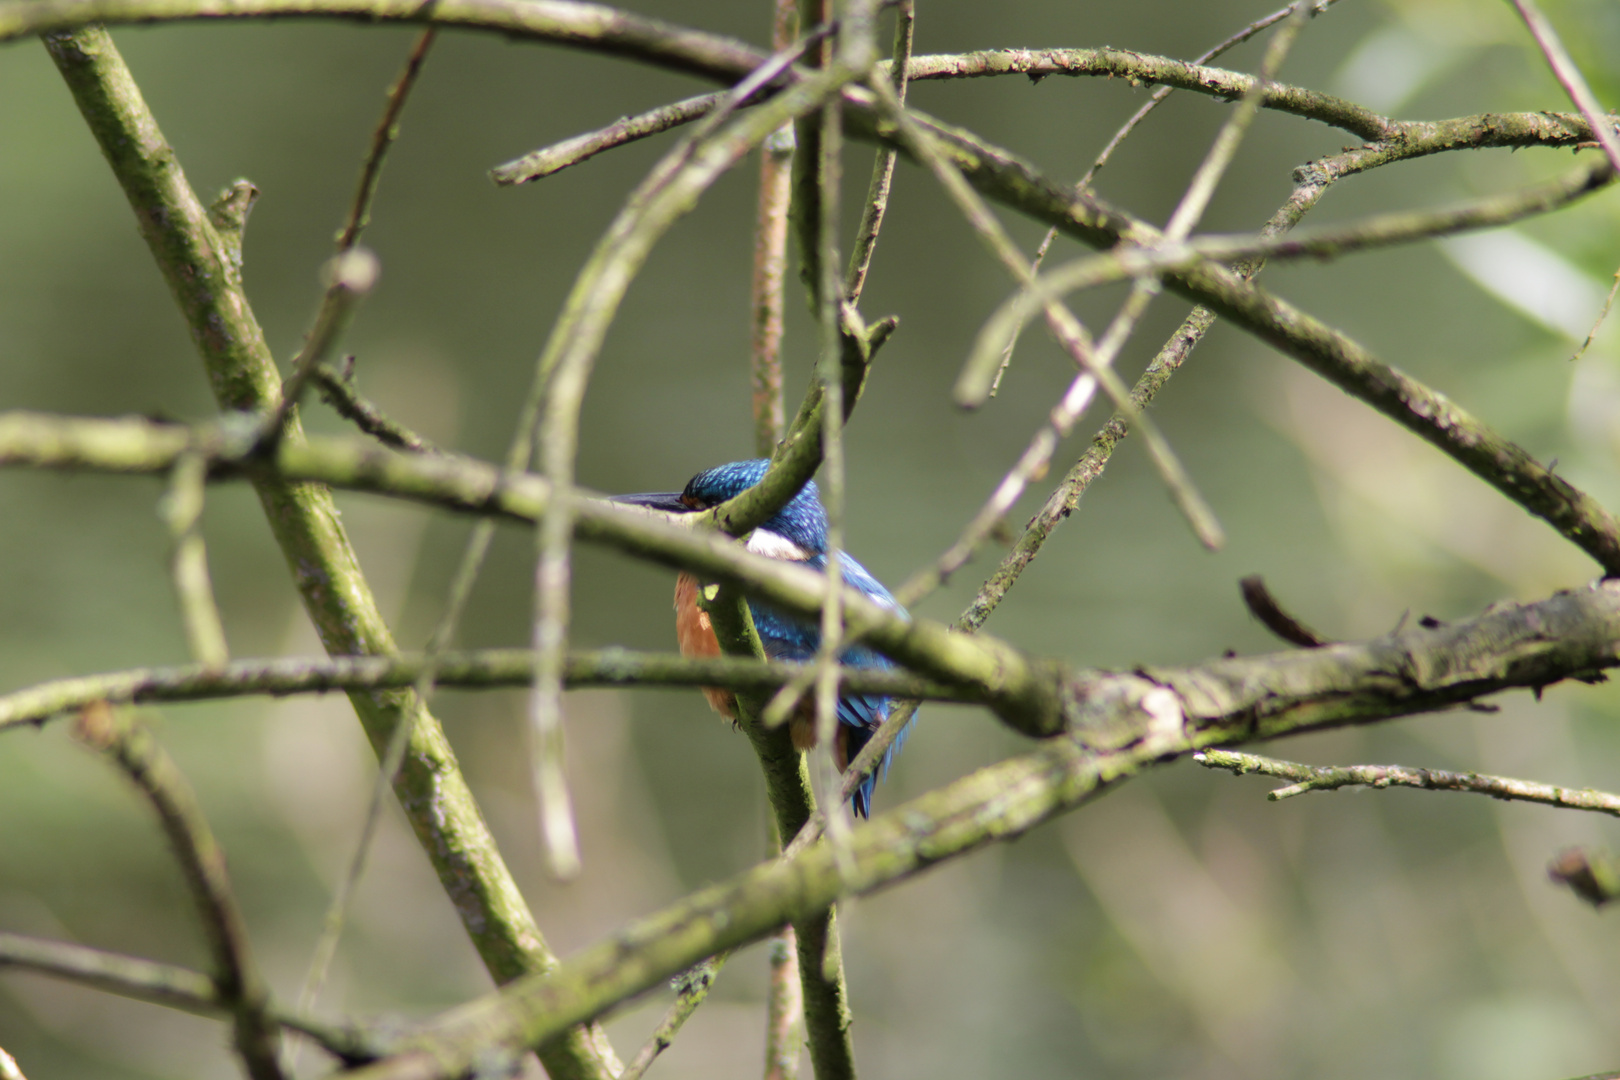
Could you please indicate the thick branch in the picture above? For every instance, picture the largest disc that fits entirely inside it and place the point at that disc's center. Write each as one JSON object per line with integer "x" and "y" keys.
{"x": 1122, "y": 723}
{"x": 1022, "y": 690}
{"x": 1334, "y": 356}
{"x": 206, "y": 282}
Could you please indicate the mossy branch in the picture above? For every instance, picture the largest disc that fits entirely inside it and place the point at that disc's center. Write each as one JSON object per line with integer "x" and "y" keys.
{"x": 1022, "y": 690}
{"x": 196, "y": 263}
{"x": 237, "y": 981}
{"x": 161, "y": 984}
{"x": 1122, "y": 723}
{"x": 484, "y": 669}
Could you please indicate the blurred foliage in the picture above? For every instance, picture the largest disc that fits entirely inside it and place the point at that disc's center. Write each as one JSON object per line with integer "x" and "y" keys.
{"x": 1182, "y": 926}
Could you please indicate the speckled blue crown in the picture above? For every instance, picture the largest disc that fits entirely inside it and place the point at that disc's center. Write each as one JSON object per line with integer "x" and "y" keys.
{"x": 802, "y": 520}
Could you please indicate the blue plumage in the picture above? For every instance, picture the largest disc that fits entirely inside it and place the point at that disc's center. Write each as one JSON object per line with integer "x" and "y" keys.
{"x": 798, "y": 533}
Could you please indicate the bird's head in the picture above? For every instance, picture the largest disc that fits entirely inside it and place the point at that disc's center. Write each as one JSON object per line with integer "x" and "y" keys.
{"x": 802, "y": 522}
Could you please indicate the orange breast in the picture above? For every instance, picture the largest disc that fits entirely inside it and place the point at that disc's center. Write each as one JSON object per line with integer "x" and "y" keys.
{"x": 695, "y": 635}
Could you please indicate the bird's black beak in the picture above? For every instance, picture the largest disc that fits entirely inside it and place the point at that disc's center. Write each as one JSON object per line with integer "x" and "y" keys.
{"x": 667, "y": 501}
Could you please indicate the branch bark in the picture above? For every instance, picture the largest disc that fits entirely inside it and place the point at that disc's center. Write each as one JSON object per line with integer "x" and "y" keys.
{"x": 1120, "y": 724}
{"x": 206, "y": 283}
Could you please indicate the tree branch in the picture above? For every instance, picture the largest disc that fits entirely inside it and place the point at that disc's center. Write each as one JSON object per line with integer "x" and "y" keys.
{"x": 1140, "y": 67}
{"x": 484, "y": 669}
{"x": 382, "y": 139}
{"x": 1121, "y": 724}
{"x": 691, "y": 988}
{"x": 338, "y": 389}
{"x": 161, "y": 984}
{"x": 1022, "y": 690}
{"x": 1334, "y": 356}
{"x": 1569, "y": 77}
{"x": 196, "y": 264}
{"x": 1332, "y": 777}
{"x": 237, "y": 981}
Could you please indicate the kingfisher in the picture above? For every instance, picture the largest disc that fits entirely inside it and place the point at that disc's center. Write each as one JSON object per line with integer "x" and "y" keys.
{"x": 795, "y": 533}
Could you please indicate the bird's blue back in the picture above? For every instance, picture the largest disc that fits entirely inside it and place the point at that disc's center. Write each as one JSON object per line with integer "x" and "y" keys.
{"x": 802, "y": 523}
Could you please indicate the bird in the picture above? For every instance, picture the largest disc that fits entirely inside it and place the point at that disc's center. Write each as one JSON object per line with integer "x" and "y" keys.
{"x": 795, "y": 533}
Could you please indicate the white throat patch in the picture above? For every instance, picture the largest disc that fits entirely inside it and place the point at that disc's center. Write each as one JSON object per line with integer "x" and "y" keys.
{"x": 776, "y": 546}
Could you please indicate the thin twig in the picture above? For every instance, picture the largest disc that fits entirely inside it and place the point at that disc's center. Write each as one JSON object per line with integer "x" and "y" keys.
{"x": 627, "y": 129}
{"x": 1165, "y": 91}
{"x": 132, "y": 748}
{"x": 1569, "y": 76}
{"x": 1332, "y": 777}
{"x": 8, "y": 1067}
{"x": 1597, "y": 324}
{"x": 784, "y": 1008}
{"x": 160, "y": 984}
{"x": 349, "y": 275}
{"x": 564, "y": 372}
{"x": 188, "y": 562}
{"x": 877, "y": 192}
{"x": 766, "y": 289}
{"x": 922, "y": 143}
{"x": 1065, "y": 498}
{"x": 1263, "y": 606}
{"x": 1131, "y": 125}
{"x": 770, "y": 261}
{"x": 382, "y": 138}
{"x": 339, "y": 390}
{"x": 1063, "y": 415}
{"x": 691, "y": 988}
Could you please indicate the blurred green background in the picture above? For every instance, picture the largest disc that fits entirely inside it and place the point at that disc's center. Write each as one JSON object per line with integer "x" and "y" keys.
{"x": 1183, "y": 926}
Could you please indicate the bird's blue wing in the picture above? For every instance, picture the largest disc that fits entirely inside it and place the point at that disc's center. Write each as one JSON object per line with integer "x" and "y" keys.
{"x": 790, "y": 637}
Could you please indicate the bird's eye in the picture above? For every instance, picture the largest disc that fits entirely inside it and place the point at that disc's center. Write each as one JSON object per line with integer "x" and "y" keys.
{"x": 692, "y": 501}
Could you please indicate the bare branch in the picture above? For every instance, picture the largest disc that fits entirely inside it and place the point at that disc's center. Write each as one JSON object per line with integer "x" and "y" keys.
{"x": 877, "y": 192}
{"x": 159, "y": 780}
{"x": 691, "y": 988}
{"x": 161, "y": 984}
{"x": 479, "y": 669}
{"x": 182, "y": 508}
{"x": 202, "y": 268}
{"x": 784, "y": 1007}
{"x": 1165, "y": 91}
{"x": 1121, "y": 723}
{"x": 1179, "y": 74}
{"x": 627, "y": 129}
{"x": 381, "y": 140}
{"x": 1569, "y": 77}
{"x": 1332, "y": 777}
{"x": 339, "y": 390}
{"x": 766, "y": 286}
{"x": 1263, "y": 606}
